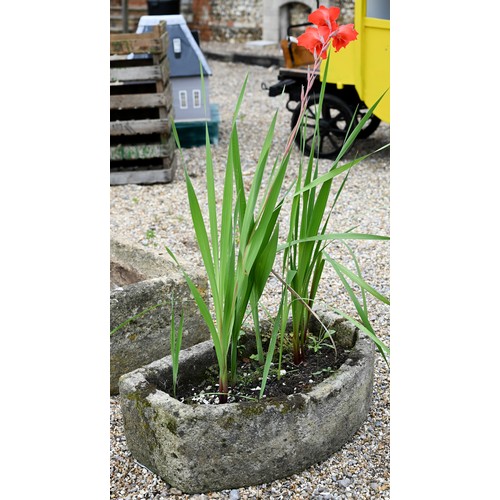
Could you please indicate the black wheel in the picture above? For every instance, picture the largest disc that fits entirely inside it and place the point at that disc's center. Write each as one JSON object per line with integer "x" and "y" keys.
{"x": 334, "y": 123}
{"x": 370, "y": 126}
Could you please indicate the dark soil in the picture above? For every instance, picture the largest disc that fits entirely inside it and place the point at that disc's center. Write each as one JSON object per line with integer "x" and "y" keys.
{"x": 293, "y": 379}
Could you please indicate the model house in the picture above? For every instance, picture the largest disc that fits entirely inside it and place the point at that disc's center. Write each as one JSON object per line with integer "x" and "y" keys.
{"x": 191, "y": 102}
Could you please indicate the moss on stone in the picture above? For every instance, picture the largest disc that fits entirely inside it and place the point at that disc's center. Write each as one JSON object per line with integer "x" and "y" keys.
{"x": 283, "y": 405}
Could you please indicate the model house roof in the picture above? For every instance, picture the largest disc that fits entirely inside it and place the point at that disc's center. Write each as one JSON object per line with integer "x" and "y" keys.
{"x": 184, "y": 54}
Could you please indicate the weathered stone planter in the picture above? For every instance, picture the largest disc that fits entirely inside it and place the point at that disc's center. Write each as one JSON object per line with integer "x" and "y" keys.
{"x": 213, "y": 447}
{"x": 140, "y": 280}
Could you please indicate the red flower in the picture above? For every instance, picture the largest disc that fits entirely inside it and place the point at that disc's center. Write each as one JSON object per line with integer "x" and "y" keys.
{"x": 325, "y": 17}
{"x": 344, "y": 34}
{"x": 315, "y": 40}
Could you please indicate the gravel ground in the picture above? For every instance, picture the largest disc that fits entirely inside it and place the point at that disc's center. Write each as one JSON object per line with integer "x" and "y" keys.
{"x": 158, "y": 215}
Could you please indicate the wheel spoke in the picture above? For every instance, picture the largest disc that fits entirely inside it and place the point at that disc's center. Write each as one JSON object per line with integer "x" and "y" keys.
{"x": 333, "y": 142}
{"x": 311, "y": 113}
{"x": 309, "y": 139}
{"x": 334, "y": 118}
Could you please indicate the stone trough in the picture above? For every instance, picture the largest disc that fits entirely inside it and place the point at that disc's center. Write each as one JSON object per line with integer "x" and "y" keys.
{"x": 202, "y": 448}
{"x": 140, "y": 281}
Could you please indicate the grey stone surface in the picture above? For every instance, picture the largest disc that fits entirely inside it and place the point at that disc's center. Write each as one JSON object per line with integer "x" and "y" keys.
{"x": 140, "y": 280}
{"x": 215, "y": 447}
{"x": 345, "y": 482}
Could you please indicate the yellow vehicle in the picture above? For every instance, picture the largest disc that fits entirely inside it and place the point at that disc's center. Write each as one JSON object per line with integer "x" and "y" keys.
{"x": 357, "y": 76}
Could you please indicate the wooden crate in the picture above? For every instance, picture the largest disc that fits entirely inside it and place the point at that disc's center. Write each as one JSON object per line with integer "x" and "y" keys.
{"x": 142, "y": 146}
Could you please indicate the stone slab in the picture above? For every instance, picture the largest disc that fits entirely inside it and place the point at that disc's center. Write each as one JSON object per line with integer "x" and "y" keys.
{"x": 140, "y": 281}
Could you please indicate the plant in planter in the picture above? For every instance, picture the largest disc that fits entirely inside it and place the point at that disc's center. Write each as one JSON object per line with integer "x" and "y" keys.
{"x": 206, "y": 447}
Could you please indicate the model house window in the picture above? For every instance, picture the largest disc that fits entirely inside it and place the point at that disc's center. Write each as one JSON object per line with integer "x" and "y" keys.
{"x": 196, "y": 99}
{"x": 183, "y": 99}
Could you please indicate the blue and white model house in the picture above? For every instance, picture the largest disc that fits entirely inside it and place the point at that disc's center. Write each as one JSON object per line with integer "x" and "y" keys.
{"x": 184, "y": 58}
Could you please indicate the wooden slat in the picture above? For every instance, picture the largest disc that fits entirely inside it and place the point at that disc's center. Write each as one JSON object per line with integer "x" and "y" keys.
{"x": 138, "y": 73}
{"x": 139, "y": 9}
{"x": 139, "y": 46}
{"x": 119, "y": 57}
{"x": 134, "y": 127}
{"x": 142, "y": 176}
{"x": 130, "y": 101}
{"x": 157, "y": 31}
{"x": 165, "y": 71}
{"x": 155, "y": 42}
{"x": 140, "y": 151}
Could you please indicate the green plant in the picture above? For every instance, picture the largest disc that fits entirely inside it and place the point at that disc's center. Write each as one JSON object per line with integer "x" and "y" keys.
{"x": 175, "y": 345}
{"x": 327, "y": 371}
{"x": 324, "y": 339}
{"x": 239, "y": 245}
{"x": 361, "y": 309}
{"x": 140, "y": 314}
{"x": 304, "y": 253}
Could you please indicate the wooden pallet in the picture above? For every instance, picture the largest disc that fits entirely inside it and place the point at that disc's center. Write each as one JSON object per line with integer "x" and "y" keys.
{"x": 142, "y": 147}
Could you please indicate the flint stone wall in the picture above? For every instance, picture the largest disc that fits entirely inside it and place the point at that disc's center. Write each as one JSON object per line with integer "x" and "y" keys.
{"x": 246, "y": 20}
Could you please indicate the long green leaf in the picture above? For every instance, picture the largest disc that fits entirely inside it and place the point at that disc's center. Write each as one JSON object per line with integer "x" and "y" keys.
{"x": 234, "y": 154}
{"x": 212, "y": 204}
{"x": 226, "y": 230}
{"x": 271, "y": 348}
{"x": 334, "y": 236}
{"x": 201, "y": 233}
{"x": 357, "y": 279}
{"x": 381, "y": 346}
{"x": 337, "y": 171}
{"x": 202, "y": 307}
{"x": 354, "y": 134}
{"x": 136, "y": 316}
{"x": 254, "y": 307}
{"x": 248, "y": 220}
{"x": 267, "y": 219}
{"x": 265, "y": 262}
{"x": 358, "y": 270}
{"x": 175, "y": 345}
{"x": 362, "y": 310}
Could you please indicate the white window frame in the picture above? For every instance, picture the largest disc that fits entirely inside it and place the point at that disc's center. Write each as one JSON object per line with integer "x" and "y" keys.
{"x": 183, "y": 99}
{"x": 196, "y": 98}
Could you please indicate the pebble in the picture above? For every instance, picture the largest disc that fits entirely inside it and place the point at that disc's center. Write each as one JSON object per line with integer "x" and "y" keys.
{"x": 360, "y": 469}
{"x": 345, "y": 482}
